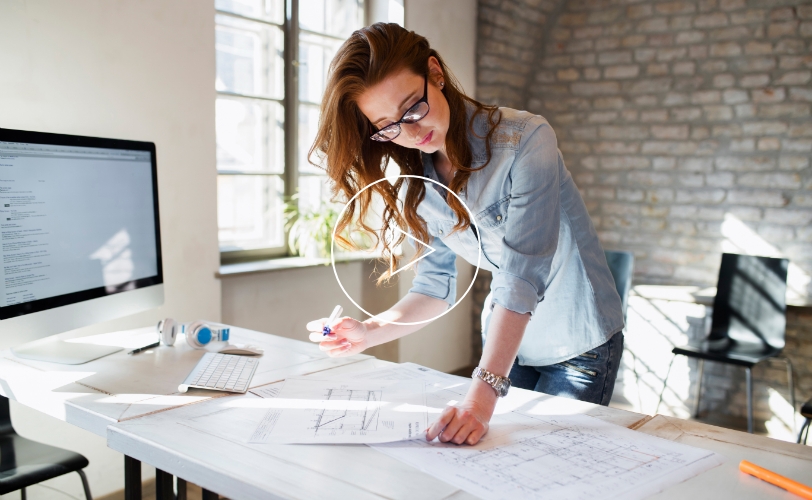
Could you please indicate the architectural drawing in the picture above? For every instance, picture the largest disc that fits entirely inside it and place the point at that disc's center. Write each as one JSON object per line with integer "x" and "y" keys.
{"x": 360, "y": 420}
{"x": 573, "y": 456}
{"x": 308, "y": 410}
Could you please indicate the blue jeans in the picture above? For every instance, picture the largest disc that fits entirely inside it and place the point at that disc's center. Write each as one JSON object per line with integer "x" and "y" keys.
{"x": 589, "y": 377}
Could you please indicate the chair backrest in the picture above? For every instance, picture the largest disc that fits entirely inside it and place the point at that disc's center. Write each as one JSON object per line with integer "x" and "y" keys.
{"x": 750, "y": 304}
{"x": 621, "y": 265}
{"x": 5, "y": 417}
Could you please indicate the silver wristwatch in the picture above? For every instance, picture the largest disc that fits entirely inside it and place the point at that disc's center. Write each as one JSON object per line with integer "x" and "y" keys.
{"x": 500, "y": 384}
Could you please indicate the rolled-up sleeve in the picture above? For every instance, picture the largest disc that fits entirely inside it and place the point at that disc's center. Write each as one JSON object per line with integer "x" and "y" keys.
{"x": 436, "y": 273}
{"x": 533, "y": 220}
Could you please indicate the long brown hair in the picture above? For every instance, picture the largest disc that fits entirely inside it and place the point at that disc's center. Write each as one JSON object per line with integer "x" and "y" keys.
{"x": 354, "y": 161}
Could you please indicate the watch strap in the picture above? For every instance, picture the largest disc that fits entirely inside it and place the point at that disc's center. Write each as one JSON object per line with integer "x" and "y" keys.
{"x": 500, "y": 384}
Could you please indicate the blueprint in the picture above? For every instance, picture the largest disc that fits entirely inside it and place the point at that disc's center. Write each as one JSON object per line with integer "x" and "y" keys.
{"x": 568, "y": 456}
{"x": 306, "y": 410}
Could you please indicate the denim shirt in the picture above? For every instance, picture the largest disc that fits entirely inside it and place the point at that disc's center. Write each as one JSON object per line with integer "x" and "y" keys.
{"x": 537, "y": 240}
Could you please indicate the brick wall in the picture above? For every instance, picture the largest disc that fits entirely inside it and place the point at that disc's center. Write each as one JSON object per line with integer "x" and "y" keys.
{"x": 673, "y": 116}
{"x": 510, "y": 42}
{"x": 687, "y": 126}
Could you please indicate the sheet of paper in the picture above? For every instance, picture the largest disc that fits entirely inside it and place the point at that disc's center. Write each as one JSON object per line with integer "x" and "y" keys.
{"x": 267, "y": 391}
{"x": 568, "y": 456}
{"x": 344, "y": 411}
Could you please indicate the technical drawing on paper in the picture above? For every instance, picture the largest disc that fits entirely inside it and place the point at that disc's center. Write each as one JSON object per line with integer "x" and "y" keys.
{"x": 308, "y": 410}
{"x": 572, "y": 456}
{"x": 359, "y": 420}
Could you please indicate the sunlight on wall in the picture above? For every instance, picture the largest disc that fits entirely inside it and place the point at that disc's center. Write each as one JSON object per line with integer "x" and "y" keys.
{"x": 741, "y": 239}
{"x": 660, "y": 318}
{"x": 780, "y": 425}
{"x": 655, "y": 326}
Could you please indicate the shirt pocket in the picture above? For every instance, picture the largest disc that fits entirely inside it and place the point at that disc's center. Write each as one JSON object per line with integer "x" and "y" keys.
{"x": 440, "y": 228}
{"x": 495, "y": 215}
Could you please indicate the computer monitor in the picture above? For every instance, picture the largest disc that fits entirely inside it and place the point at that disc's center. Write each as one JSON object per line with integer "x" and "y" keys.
{"x": 80, "y": 238}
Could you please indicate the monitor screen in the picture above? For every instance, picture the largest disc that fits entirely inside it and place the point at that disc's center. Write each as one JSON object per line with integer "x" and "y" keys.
{"x": 78, "y": 220}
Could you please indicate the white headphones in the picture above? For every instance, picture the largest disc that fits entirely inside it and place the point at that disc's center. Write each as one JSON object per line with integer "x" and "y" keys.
{"x": 198, "y": 333}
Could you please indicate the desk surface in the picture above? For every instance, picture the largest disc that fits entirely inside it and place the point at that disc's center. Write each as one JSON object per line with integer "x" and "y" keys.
{"x": 245, "y": 470}
{"x": 120, "y": 387}
{"x": 109, "y": 397}
{"x": 726, "y": 481}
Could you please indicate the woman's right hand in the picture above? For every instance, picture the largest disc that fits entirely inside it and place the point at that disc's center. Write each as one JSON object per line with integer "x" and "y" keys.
{"x": 347, "y": 337}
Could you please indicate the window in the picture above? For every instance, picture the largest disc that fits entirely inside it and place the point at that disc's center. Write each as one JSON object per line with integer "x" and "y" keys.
{"x": 272, "y": 61}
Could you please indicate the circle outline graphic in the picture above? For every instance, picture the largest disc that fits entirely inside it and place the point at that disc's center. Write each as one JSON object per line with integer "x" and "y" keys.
{"x": 407, "y": 323}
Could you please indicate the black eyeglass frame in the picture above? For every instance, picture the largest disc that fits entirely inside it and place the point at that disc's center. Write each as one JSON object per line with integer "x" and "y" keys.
{"x": 425, "y": 99}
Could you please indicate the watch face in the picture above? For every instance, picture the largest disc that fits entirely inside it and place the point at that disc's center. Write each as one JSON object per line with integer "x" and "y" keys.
{"x": 504, "y": 387}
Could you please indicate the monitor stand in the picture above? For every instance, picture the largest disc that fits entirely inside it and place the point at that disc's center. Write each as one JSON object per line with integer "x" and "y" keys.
{"x": 65, "y": 353}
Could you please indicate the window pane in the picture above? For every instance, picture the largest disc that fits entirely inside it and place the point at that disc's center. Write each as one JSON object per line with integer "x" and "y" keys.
{"x": 249, "y": 211}
{"x": 308, "y": 126}
{"x": 315, "y": 54}
{"x": 250, "y": 135}
{"x": 313, "y": 191}
{"x": 249, "y": 57}
{"x": 334, "y": 17}
{"x": 269, "y": 10}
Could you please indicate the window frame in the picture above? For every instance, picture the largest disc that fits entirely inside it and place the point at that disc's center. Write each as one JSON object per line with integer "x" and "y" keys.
{"x": 291, "y": 103}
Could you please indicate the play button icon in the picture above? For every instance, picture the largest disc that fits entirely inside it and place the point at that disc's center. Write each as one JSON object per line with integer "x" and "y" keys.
{"x": 415, "y": 242}
{"x": 413, "y": 239}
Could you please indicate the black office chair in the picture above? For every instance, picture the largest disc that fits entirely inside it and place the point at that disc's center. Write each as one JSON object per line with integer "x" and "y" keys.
{"x": 621, "y": 265}
{"x": 24, "y": 462}
{"x": 806, "y": 412}
{"x": 749, "y": 321}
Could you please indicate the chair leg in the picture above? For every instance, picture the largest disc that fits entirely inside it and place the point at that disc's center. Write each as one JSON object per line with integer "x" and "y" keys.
{"x": 749, "y": 374}
{"x": 22, "y": 493}
{"x": 804, "y": 427}
{"x": 791, "y": 383}
{"x": 665, "y": 384}
{"x": 210, "y": 495}
{"x": 699, "y": 387}
{"x": 86, "y": 486}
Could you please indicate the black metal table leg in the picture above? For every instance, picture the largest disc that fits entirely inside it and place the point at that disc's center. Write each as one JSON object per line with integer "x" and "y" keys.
{"x": 181, "y": 489}
{"x": 132, "y": 478}
{"x": 208, "y": 495}
{"x": 164, "y": 489}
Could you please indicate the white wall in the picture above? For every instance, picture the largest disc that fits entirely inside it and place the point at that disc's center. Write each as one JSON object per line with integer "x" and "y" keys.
{"x": 128, "y": 70}
{"x": 450, "y": 26}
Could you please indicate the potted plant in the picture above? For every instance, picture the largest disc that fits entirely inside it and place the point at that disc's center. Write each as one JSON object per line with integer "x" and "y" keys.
{"x": 310, "y": 231}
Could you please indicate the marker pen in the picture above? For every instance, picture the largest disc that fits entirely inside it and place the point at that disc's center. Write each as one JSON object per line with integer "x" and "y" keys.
{"x": 336, "y": 313}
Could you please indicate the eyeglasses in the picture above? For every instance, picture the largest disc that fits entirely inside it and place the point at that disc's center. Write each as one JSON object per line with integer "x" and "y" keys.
{"x": 412, "y": 115}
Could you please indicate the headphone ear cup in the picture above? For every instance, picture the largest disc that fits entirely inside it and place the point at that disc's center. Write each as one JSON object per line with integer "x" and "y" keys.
{"x": 168, "y": 331}
{"x": 198, "y": 334}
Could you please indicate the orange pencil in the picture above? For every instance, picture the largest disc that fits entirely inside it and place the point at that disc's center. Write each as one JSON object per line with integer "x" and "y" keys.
{"x": 771, "y": 477}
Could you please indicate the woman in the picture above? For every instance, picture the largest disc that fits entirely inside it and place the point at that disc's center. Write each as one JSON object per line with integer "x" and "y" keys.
{"x": 553, "y": 318}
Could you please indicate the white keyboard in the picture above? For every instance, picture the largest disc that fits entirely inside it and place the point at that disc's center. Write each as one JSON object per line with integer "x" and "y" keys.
{"x": 221, "y": 372}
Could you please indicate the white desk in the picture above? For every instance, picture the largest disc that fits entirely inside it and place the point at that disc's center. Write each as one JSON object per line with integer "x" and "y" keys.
{"x": 242, "y": 470}
{"x": 120, "y": 387}
{"x": 107, "y": 397}
{"x": 726, "y": 481}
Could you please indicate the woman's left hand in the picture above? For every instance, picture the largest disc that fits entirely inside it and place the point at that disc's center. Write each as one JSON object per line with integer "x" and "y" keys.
{"x": 468, "y": 422}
